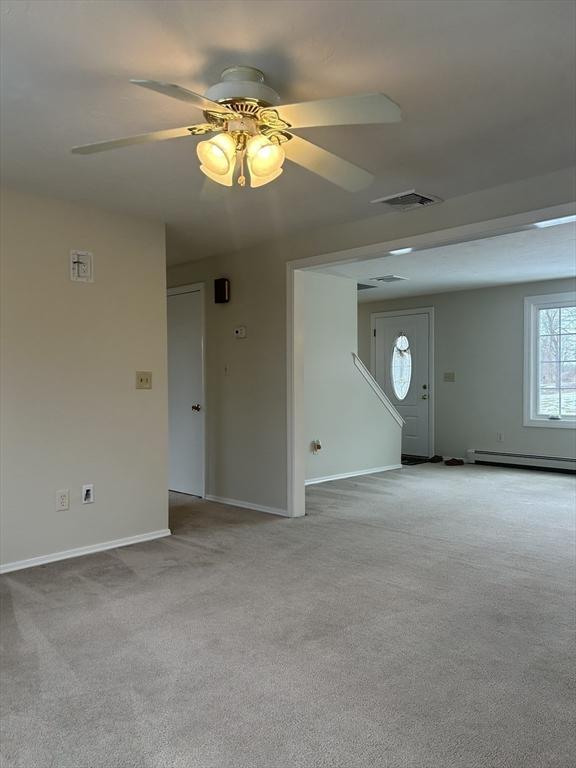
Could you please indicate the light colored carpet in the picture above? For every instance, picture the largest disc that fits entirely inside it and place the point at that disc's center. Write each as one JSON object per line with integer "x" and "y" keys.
{"x": 421, "y": 618}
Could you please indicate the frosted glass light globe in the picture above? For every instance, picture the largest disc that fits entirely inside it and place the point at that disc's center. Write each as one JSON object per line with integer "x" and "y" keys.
{"x": 217, "y": 154}
{"x": 264, "y": 156}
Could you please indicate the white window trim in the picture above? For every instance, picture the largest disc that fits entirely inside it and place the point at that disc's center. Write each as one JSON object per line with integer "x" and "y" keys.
{"x": 531, "y": 306}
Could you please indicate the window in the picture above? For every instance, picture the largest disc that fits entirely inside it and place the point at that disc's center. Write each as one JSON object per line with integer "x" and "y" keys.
{"x": 550, "y": 360}
{"x": 401, "y": 367}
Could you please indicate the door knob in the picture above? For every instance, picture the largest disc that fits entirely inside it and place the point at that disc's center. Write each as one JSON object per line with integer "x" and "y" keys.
{"x": 196, "y": 407}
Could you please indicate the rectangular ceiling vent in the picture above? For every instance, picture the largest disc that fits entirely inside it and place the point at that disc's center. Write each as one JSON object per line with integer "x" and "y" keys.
{"x": 364, "y": 287}
{"x": 407, "y": 201}
{"x": 389, "y": 278}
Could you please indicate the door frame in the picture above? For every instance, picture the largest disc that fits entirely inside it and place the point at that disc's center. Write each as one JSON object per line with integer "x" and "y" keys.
{"x": 201, "y": 289}
{"x": 431, "y": 373}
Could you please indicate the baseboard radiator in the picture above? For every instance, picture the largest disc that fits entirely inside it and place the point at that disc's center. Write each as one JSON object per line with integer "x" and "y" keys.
{"x": 476, "y": 456}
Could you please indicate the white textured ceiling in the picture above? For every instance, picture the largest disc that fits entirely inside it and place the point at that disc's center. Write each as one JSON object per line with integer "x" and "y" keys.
{"x": 486, "y": 88}
{"x": 519, "y": 257}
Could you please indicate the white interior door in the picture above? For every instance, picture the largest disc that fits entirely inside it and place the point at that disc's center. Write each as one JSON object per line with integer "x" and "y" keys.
{"x": 185, "y": 393}
{"x": 401, "y": 367}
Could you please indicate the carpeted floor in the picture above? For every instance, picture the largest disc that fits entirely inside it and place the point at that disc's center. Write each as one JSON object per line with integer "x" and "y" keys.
{"x": 420, "y": 618}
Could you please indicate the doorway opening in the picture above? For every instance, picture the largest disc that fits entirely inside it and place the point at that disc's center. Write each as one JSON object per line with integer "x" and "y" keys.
{"x": 423, "y": 273}
{"x": 186, "y": 390}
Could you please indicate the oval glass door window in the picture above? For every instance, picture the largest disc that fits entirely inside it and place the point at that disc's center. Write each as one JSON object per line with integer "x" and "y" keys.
{"x": 401, "y": 367}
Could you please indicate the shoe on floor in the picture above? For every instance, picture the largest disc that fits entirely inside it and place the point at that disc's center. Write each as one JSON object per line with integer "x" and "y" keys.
{"x": 454, "y": 463}
{"x": 435, "y": 459}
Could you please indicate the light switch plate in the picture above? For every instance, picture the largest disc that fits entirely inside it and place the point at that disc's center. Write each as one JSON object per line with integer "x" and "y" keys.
{"x": 449, "y": 376}
{"x": 143, "y": 379}
{"x": 62, "y": 500}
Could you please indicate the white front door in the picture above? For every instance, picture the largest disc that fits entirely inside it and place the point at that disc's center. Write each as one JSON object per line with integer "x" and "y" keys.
{"x": 185, "y": 393}
{"x": 401, "y": 367}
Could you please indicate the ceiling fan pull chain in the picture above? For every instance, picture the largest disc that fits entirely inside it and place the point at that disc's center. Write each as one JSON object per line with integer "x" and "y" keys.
{"x": 241, "y": 151}
{"x": 242, "y": 178}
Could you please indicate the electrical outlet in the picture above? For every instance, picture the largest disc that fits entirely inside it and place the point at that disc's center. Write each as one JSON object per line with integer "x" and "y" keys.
{"x": 143, "y": 379}
{"x": 62, "y": 500}
{"x": 240, "y": 332}
{"x": 88, "y": 493}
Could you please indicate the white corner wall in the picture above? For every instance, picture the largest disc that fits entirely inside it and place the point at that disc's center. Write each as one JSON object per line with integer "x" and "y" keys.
{"x": 358, "y": 434}
{"x": 69, "y": 408}
{"x": 479, "y": 335}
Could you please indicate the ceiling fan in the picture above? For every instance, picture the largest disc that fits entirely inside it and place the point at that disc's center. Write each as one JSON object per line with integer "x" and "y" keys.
{"x": 252, "y": 129}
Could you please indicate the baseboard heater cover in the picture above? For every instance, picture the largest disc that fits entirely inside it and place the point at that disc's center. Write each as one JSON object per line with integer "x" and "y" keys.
{"x": 476, "y": 456}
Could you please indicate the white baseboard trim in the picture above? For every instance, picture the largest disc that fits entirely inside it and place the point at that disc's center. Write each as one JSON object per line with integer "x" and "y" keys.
{"x": 18, "y": 565}
{"x": 357, "y": 473}
{"x": 247, "y": 505}
{"x": 521, "y": 459}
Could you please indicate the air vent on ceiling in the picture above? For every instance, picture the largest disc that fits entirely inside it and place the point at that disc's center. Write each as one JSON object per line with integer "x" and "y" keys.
{"x": 364, "y": 287}
{"x": 407, "y": 201}
{"x": 389, "y": 278}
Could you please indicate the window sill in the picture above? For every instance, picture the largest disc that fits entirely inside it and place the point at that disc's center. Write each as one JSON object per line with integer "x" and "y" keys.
{"x": 553, "y": 423}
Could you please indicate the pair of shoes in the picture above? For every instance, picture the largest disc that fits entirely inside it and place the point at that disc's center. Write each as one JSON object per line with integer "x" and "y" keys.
{"x": 454, "y": 463}
{"x": 435, "y": 459}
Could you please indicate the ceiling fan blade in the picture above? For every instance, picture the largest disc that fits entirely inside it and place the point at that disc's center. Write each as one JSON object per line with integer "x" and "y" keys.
{"x": 347, "y": 110}
{"x": 325, "y": 164}
{"x": 183, "y": 94}
{"x": 141, "y": 138}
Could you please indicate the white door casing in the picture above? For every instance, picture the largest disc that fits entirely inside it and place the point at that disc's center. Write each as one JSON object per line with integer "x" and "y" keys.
{"x": 186, "y": 390}
{"x": 410, "y": 332}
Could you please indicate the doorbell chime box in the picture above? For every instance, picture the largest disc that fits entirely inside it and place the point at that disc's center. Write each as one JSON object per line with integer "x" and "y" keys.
{"x": 221, "y": 290}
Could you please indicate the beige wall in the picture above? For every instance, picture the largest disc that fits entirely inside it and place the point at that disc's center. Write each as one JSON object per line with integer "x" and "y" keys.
{"x": 70, "y": 412}
{"x": 357, "y": 432}
{"x": 246, "y": 409}
{"x": 480, "y": 336}
{"x": 245, "y": 378}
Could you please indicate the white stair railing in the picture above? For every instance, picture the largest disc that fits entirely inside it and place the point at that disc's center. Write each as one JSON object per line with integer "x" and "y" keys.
{"x": 378, "y": 391}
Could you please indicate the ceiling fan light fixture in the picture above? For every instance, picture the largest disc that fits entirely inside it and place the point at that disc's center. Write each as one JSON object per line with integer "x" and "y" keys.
{"x": 226, "y": 179}
{"x": 265, "y": 157}
{"x": 218, "y": 154}
{"x": 260, "y": 181}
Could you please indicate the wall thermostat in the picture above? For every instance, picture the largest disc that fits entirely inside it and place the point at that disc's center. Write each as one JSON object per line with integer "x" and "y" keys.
{"x": 81, "y": 266}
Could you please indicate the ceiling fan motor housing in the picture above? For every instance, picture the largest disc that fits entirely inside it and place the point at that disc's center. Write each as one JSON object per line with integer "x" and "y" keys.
{"x": 243, "y": 84}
